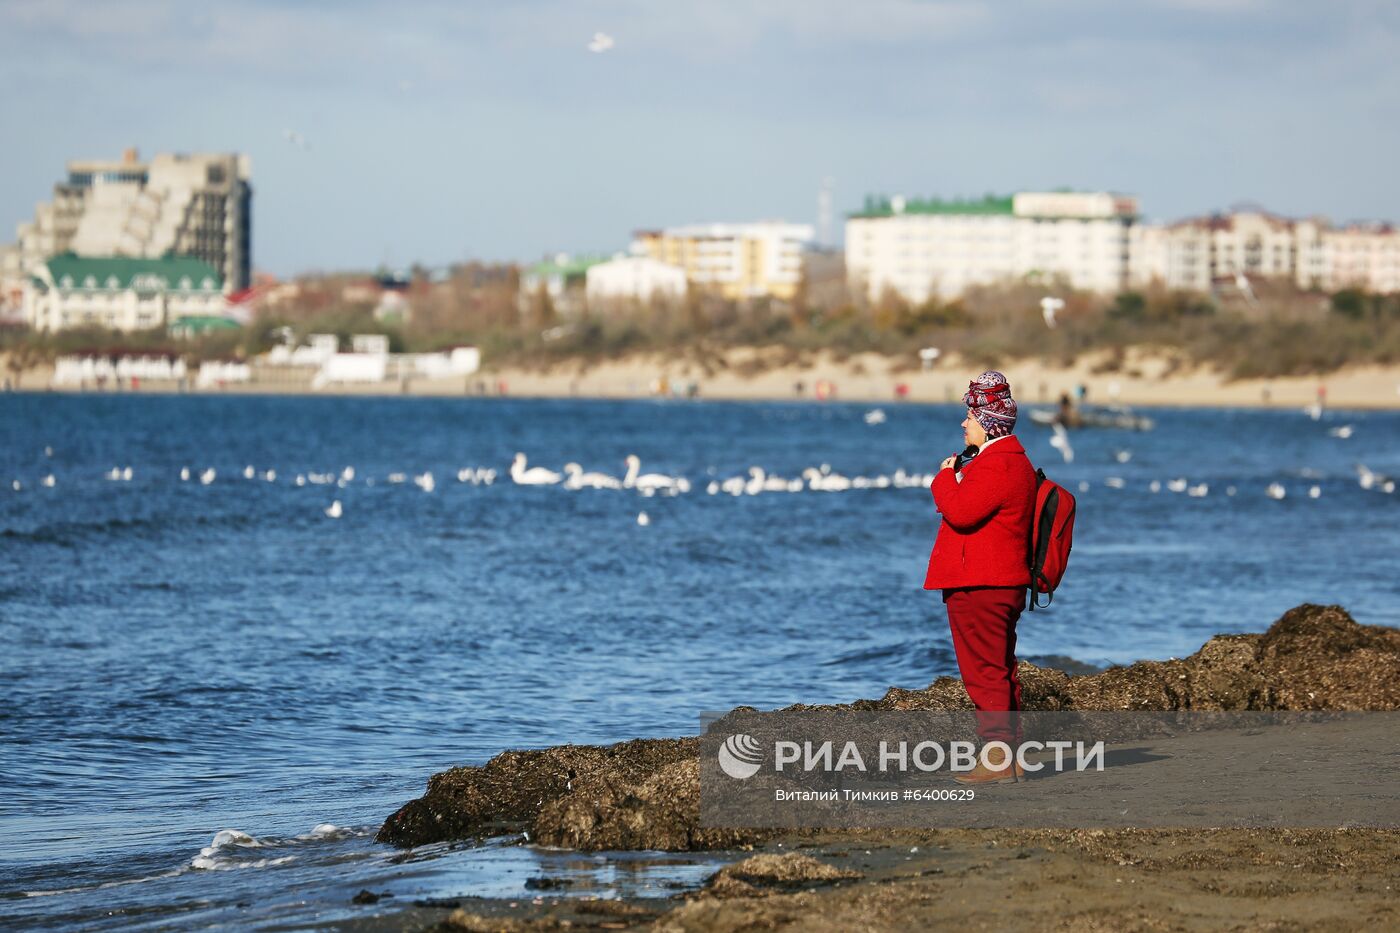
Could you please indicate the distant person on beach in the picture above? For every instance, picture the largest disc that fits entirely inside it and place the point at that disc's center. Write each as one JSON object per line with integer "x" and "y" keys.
{"x": 979, "y": 561}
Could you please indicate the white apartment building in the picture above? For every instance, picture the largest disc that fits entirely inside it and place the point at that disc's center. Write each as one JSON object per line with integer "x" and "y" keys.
{"x": 926, "y": 248}
{"x": 120, "y": 294}
{"x": 1363, "y": 256}
{"x": 174, "y": 204}
{"x": 738, "y": 261}
{"x": 1194, "y": 254}
{"x": 638, "y": 278}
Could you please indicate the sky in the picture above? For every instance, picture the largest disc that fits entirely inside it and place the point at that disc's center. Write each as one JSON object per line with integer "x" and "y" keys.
{"x": 439, "y": 131}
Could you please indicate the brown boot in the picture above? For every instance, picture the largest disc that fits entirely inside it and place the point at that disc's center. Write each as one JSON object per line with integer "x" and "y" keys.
{"x": 984, "y": 775}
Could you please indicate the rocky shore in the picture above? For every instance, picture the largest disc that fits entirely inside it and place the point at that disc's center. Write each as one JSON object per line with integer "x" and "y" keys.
{"x": 644, "y": 795}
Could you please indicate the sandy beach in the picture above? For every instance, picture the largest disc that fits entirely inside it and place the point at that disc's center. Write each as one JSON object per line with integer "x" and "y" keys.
{"x": 644, "y": 794}
{"x": 1145, "y": 377}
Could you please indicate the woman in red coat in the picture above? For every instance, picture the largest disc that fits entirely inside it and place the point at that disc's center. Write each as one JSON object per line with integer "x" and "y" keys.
{"x": 979, "y": 560}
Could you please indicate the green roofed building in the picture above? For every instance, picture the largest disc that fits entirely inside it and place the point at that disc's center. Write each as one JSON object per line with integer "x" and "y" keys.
{"x": 931, "y": 248}
{"x": 562, "y": 277}
{"x": 120, "y": 292}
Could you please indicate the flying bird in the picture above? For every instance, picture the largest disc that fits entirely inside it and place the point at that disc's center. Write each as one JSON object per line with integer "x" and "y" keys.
{"x": 1048, "y": 307}
{"x": 601, "y": 42}
{"x": 296, "y": 139}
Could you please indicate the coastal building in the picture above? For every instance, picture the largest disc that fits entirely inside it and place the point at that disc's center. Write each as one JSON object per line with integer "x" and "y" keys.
{"x": 1364, "y": 256}
{"x": 736, "y": 261}
{"x": 1196, "y": 253}
{"x": 922, "y": 249}
{"x": 174, "y": 204}
{"x": 120, "y": 293}
{"x": 561, "y": 278}
{"x": 633, "y": 278}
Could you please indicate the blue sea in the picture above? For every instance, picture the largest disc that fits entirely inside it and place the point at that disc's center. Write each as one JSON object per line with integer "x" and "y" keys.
{"x": 211, "y": 694}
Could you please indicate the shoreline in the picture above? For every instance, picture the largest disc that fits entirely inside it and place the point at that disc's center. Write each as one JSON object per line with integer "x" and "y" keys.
{"x": 644, "y": 795}
{"x": 1146, "y": 379}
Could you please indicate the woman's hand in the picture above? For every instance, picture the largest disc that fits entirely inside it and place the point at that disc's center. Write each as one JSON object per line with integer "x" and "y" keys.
{"x": 947, "y": 464}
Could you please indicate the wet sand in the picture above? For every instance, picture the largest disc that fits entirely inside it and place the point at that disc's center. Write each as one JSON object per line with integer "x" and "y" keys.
{"x": 644, "y": 794}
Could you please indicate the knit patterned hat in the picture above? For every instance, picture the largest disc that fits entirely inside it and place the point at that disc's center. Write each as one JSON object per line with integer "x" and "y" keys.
{"x": 989, "y": 400}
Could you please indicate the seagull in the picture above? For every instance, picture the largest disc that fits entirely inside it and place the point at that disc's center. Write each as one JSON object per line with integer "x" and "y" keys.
{"x": 1276, "y": 491}
{"x": 334, "y": 510}
{"x": 1083, "y": 485}
{"x": 348, "y": 474}
{"x": 48, "y": 481}
{"x": 1122, "y": 456}
{"x": 296, "y": 139}
{"x": 1114, "y": 482}
{"x": 1060, "y": 441}
{"x": 1314, "y": 411}
{"x": 1154, "y": 486}
{"x": 184, "y": 474}
{"x": 126, "y": 475}
{"x": 270, "y": 476}
{"x": 535, "y": 476}
{"x": 1343, "y": 432}
{"x": 207, "y": 476}
{"x": 425, "y": 482}
{"x": 15, "y": 485}
{"x": 249, "y": 472}
{"x": 393, "y": 478}
{"x": 1048, "y": 307}
{"x": 1229, "y": 490}
{"x": 48, "y": 451}
{"x": 1177, "y": 485}
{"x": 600, "y": 42}
{"x": 1199, "y": 491}
{"x": 1315, "y": 492}
{"x": 875, "y": 416}
{"x": 643, "y": 519}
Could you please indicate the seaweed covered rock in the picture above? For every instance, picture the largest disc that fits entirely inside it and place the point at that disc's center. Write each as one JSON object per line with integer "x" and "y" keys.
{"x": 645, "y": 794}
{"x": 768, "y": 873}
{"x": 661, "y": 812}
{"x": 507, "y": 793}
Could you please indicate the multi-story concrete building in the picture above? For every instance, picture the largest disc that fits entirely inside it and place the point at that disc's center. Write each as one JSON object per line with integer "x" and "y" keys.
{"x": 1364, "y": 256}
{"x": 1194, "y": 254}
{"x": 184, "y": 205}
{"x": 120, "y": 293}
{"x": 926, "y": 248}
{"x": 633, "y": 278}
{"x": 736, "y": 261}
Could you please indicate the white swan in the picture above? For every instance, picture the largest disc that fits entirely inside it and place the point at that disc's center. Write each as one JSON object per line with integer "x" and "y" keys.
{"x": 653, "y": 481}
{"x": 534, "y": 476}
{"x": 579, "y": 479}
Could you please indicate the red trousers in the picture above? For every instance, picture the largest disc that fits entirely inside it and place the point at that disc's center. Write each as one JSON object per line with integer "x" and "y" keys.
{"x": 983, "y": 620}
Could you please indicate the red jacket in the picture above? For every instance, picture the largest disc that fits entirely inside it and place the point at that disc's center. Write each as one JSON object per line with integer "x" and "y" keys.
{"x": 985, "y": 534}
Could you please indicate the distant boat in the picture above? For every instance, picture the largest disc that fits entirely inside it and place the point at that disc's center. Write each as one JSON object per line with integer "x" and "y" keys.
{"x": 1110, "y": 417}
